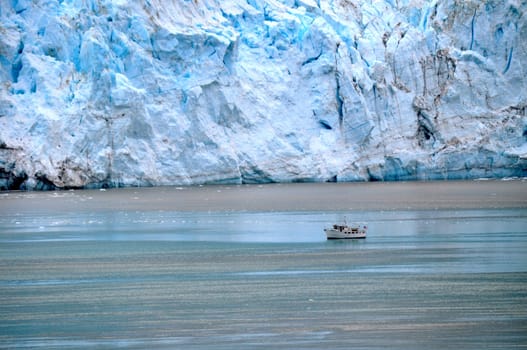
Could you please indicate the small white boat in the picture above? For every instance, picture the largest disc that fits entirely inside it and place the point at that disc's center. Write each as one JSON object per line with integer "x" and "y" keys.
{"x": 355, "y": 231}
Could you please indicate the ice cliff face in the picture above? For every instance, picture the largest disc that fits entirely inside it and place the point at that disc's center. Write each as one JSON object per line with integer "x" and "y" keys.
{"x": 117, "y": 93}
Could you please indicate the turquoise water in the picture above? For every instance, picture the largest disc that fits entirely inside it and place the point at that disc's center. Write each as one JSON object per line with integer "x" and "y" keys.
{"x": 168, "y": 279}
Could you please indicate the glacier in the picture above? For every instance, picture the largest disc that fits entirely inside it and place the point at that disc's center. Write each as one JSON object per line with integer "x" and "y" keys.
{"x": 101, "y": 93}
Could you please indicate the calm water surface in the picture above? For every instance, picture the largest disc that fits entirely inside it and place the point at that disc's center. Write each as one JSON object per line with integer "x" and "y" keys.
{"x": 170, "y": 279}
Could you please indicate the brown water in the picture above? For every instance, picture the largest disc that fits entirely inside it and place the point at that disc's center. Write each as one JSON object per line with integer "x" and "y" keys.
{"x": 444, "y": 266}
{"x": 280, "y": 197}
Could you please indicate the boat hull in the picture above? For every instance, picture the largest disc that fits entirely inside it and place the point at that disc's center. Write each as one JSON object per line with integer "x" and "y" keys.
{"x": 337, "y": 234}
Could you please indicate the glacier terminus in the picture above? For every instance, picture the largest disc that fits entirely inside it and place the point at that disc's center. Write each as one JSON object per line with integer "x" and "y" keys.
{"x": 111, "y": 93}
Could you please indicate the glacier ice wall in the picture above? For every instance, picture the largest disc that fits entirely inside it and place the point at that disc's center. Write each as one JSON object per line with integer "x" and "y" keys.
{"x": 115, "y": 93}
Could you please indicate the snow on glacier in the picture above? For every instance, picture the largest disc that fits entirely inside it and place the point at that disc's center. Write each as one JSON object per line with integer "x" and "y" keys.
{"x": 114, "y": 93}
